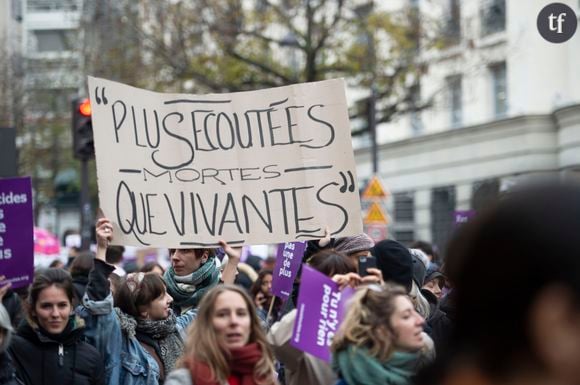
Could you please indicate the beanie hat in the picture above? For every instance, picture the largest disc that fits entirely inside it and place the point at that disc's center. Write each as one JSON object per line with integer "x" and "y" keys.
{"x": 354, "y": 244}
{"x": 395, "y": 262}
{"x": 420, "y": 263}
{"x": 433, "y": 273}
{"x": 6, "y": 325}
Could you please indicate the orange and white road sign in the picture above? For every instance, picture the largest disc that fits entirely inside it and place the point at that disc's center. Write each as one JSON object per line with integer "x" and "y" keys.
{"x": 374, "y": 189}
{"x": 375, "y": 214}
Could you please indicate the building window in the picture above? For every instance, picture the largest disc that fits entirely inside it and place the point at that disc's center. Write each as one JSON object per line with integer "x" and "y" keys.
{"x": 455, "y": 99}
{"x": 493, "y": 16}
{"x": 16, "y": 9}
{"x": 406, "y": 237}
{"x": 56, "y": 100}
{"x": 442, "y": 210}
{"x": 499, "y": 79}
{"x": 54, "y": 40}
{"x": 51, "y": 5}
{"x": 452, "y": 24}
{"x": 404, "y": 207}
{"x": 415, "y": 115}
{"x": 484, "y": 193}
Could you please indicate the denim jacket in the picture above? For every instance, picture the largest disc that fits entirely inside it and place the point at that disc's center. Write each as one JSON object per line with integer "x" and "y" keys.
{"x": 126, "y": 361}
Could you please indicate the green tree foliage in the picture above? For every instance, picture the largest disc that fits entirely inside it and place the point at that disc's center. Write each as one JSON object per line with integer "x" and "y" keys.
{"x": 236, "y": 45}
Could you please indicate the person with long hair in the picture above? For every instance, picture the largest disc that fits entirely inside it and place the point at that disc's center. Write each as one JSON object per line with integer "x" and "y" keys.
{"x": 226, "y": 344}
{"x": 302, "y": 368}
{"x": 261, "y": 292}
{"x": 141, "y": 339}
{"x": 380, "y": 338}
{"x": 49, "y": 347}
{"x": 7, "y": 373}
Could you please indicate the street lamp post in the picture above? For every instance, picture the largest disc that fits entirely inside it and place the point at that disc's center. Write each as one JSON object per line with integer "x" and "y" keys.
{"x": 373, "y": 128}
{"x": 363, "y": 12}
{"x": 85, "y": 206}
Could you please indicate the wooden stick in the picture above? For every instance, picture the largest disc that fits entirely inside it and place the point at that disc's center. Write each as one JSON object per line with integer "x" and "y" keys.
{"x": 271, "y": 307}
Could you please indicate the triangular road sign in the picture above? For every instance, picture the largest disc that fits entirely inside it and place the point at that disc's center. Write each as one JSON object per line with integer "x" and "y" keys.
{"x": 376, "y": 215}
{"x": 374, "y": 189}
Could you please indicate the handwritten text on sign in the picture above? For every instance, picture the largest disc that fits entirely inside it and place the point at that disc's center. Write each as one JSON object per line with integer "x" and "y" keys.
{"x": 256, "y": 167}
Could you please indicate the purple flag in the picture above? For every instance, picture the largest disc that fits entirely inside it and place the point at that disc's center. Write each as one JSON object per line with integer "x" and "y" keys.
{"x": 16, "y": 231}
{"x": 321, "y": 308}
{"x": 288, "y": 260}
{"x": 461, "y": 217}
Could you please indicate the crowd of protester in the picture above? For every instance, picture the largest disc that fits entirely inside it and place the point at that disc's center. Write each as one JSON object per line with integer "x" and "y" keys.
{"x": 501, "y": 308}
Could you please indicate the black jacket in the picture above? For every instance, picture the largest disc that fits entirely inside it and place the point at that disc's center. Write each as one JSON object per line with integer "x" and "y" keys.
{"x": 13, "y": 306}
{"x": 80, "y": 285}
{"x": 63, "y": 360}
{"x": 439, "y": 324}
{"x": 7, "y": 374}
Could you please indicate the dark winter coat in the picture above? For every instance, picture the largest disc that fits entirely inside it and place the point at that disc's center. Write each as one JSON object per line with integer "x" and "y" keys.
{"x": 7, "y": 374}
{"x": 13, "y": 306}
{"x": 63, "y": 360}
{"x": 438, "y": 324}
{"x": 80, "y": 285}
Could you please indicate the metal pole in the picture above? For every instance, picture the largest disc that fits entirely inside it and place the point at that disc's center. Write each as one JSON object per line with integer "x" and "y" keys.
{"x": 85, "y": 206}
{"x": 373, "y": 129}
{"x": 373, "y": 98}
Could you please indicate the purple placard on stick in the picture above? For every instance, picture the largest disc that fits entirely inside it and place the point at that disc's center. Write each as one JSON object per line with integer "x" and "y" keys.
{"x": 288, "y": 260}
{"x": 461, "y": 217}
{"x": 321, "y": 308}
{"x": 16, "y": 231}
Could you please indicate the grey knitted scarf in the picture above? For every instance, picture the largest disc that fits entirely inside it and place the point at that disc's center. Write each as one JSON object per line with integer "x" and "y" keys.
{"x": 164, "y": 332}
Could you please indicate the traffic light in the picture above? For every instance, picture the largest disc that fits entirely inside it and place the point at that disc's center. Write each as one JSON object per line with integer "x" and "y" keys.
{"x": 82, "y": 129}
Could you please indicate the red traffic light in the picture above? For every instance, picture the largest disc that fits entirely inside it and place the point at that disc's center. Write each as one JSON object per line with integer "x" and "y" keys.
{"x": 85, "y": 107}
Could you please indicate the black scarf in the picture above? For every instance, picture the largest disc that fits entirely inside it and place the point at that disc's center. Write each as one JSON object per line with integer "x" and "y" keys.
{"x": 165, "y": 333}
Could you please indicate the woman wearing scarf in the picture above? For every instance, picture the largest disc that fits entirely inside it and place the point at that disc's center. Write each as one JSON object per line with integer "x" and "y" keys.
{"x": 380, "y": 339}
{"x": 226, "y": 345}
{"x": 141, "y": 338}
{"x": 48, "y": 348}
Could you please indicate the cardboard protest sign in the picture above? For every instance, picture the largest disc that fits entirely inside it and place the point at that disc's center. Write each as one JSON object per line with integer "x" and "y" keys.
{"x": 288, "y": 261}
{"x": 321, "y": 309}
{"x": 255, "y": 167}
{"x": 16, "y": 232}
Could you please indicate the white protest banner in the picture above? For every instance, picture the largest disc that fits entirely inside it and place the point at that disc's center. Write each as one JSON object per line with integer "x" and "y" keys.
{"x": 183, "y": 171}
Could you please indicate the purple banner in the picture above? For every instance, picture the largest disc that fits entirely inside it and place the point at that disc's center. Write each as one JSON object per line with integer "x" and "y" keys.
{"x": 462, "y": 216}
{"x": 288, "y": 260}
{"x": 16, "y": 231}
{"x": 321, "y": 308}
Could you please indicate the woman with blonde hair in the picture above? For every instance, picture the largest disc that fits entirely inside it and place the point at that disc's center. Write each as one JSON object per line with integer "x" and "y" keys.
{"x": 226, "y": 344}
{"x": 380, "y": 339}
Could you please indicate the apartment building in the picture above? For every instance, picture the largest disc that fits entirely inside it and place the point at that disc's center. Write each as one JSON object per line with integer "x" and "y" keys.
{"x": 505, "y": 107}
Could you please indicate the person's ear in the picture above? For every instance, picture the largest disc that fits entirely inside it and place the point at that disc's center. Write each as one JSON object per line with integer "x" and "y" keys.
{"x": 555, "y": 332}
{"x": 144, "y": 312}
{"x": 204, "y": 256}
